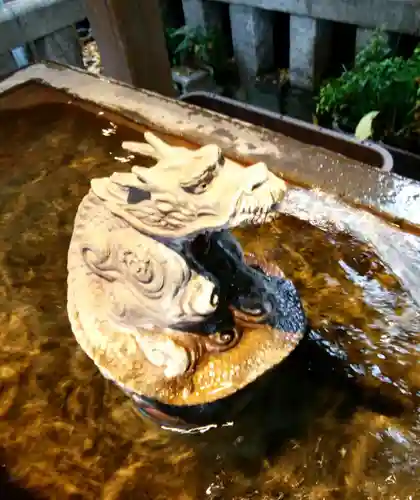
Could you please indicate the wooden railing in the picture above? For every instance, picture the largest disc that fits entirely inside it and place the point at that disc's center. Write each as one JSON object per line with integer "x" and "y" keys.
{"x": 44, "y": 27}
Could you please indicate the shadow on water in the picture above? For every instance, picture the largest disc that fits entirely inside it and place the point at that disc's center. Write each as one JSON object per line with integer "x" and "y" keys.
{"x": 337, "y": 420}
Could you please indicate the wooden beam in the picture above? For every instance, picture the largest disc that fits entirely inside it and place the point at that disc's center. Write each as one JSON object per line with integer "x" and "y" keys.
{"x": 131, "y": 41}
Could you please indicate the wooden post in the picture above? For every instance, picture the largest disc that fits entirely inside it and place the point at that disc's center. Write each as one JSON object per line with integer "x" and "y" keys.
{"x": 131, "y": 41}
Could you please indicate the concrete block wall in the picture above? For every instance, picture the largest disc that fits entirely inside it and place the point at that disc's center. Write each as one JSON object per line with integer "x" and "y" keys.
{"x": 310, "y": 29}
{"x": 309, "y": 42}
{"x": 402, "y": 16}
{"x": 203, "y": 14}
{"x": 252, "y": 39}
{"x": 46, "y": 24}
{"x": 63, "y": 46}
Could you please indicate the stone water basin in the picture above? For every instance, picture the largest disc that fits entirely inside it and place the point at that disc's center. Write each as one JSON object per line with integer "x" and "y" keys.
{"x": 338, "y": 419}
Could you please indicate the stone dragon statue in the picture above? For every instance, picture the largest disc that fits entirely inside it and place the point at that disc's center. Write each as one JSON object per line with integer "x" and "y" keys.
{"x": 160, "y": 294}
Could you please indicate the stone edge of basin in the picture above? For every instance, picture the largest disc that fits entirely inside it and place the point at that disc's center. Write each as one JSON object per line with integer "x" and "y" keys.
{"x": 395, "y": 197}
{"x": 367, "y": 152}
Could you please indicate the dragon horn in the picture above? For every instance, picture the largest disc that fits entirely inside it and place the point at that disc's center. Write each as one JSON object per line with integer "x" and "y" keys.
{"x": 145, "y": 178}
{"x": 126, "y": 180}
{"x": 141, "y": 148}
{"x": 161, "y": 147}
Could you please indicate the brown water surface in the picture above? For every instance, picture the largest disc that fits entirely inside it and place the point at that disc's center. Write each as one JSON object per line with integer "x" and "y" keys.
{"x": 340, "y": 419}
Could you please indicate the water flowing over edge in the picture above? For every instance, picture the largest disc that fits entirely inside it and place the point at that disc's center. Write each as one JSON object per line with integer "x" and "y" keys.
{"x": 399, "y": 250}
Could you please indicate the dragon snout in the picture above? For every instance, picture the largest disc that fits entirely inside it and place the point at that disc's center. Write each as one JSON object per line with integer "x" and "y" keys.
{"x": 210, "y": 154}
{"x": 256, "y": 176}
{"x": 259, "y": 180}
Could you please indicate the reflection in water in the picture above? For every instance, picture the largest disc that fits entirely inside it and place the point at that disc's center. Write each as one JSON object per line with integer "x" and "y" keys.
{"x": 339, "y": 419}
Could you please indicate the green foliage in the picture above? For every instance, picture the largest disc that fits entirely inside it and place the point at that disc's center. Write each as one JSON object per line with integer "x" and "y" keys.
{"x": 364, "y": 128}
{"x": 378, "y": 81}
{"x": 376, "y": 50}
{"x": 193, "y": 47}
{"x": 171, "y": 45}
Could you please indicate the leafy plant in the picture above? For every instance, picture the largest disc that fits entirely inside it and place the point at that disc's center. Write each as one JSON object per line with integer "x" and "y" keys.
{"x": 379, "y": 81}
{"x": 364, "y": 128}
{"x": 376, "y": 50}
{"x": 171, "y": 45}
{"x": 193, "y": 47}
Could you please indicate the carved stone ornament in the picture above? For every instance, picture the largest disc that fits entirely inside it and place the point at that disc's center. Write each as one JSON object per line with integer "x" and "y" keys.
{"x": 160, "y": 294}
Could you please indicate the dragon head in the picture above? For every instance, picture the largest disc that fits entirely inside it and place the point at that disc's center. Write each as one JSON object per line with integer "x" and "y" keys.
{"x": 189, "y": 191}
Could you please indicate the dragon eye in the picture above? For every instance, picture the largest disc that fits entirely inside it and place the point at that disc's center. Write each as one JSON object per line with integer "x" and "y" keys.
{"x": 254, "y": 311}
{"x": 201, "y": 185}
